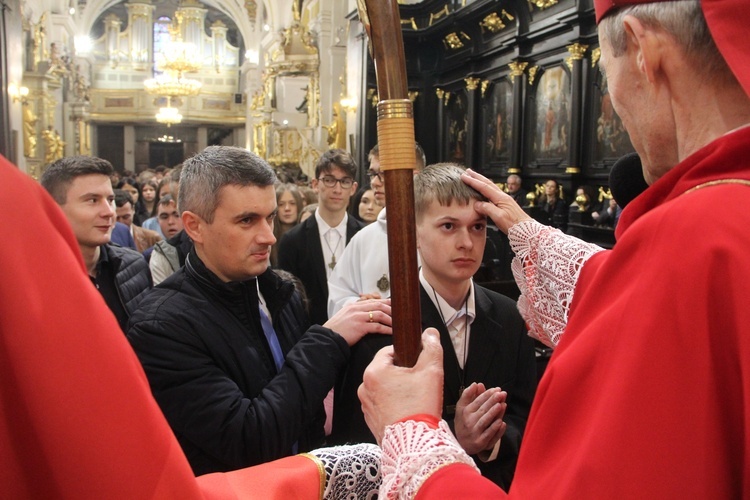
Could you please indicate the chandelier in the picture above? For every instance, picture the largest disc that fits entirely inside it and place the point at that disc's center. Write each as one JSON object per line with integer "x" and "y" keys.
{"x": 168, "y": 116}
{"x": 179, "y": 57}
{"x": 174, "y": 61}
{"x": 171, "y": 85}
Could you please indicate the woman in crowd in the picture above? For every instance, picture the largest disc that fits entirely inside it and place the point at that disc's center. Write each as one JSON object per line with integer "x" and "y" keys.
{"x": 289, "y": 204}
{"x": 364, "y": 207}
{"x": 148, "y": 201}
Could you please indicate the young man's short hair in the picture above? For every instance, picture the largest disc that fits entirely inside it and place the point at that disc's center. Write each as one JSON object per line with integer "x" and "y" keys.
{"x": 122, "y": 198}
{"x": 442, "y": 182}
{"x": 336, "y": 158}
{"x": 60, "y": 174}
{"x": 165, "y": 200}
{"x": 420, "y": 156}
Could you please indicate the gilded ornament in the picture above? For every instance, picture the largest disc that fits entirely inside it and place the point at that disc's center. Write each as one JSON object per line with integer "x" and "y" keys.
{"x": 577, "y": 50}
{"x": 492, "y": 23}
{"x": 543, "y": 4}
{"x": 485, "y": 86}
{"x": 596, "y": 54}
{"x": 30, "y": 120}
{"x": 453, "y": 40}
{"x": 516, "y": 69}
{"x": 471, "y": 83}
{"x": 54, "y": 146}
{"x": 410, "y": 22}
{"x": 532, "y": 74}
{"x": 437, "y": 15}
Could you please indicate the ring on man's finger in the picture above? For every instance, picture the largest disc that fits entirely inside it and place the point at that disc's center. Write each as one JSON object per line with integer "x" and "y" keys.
{"x": 370, "y": 320}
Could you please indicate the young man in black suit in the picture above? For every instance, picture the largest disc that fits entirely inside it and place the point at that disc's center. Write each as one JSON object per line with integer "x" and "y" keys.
{"x": 311, "y": 249}
{"x": 490, "y": 373}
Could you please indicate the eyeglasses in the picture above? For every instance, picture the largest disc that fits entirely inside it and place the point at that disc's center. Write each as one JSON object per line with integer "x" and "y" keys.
{"x": 372, "y": 174}
{"x": 330, "y": 181}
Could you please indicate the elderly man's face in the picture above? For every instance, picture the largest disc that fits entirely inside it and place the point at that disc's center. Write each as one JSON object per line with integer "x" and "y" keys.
{"x": 642, "y": 105}
{"x": 514, "y": 184}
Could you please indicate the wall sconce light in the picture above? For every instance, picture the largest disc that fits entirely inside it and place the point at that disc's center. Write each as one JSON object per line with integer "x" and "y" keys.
{"x": 348, "y": 104}
{"x": 18, "y": 93}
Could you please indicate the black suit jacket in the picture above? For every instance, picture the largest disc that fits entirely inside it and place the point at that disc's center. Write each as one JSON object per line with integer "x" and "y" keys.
{"x": 501, "y": 354}
{"x": 301, "y": 254}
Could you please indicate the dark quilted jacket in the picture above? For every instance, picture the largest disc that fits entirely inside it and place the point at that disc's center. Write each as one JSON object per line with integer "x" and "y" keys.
{"x": 201, "y": 344}
{"x": 132, "y": 276}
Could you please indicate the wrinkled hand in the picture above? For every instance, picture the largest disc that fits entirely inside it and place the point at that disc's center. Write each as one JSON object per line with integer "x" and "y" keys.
{"x": 357, "y": 319}
{"x": 390, "y": 393}
{"x": 479, "y": 418}
{"x": 502, "y": 209}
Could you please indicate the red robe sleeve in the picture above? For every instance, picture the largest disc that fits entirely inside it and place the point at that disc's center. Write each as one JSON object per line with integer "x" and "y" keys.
{"x": 456, "y": 482}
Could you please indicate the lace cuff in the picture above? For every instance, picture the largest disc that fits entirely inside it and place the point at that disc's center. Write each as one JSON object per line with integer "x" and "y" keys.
{"x": 351, "y": 471}
{"x": 546, "y": 267}
{"x": 412, "y": 452}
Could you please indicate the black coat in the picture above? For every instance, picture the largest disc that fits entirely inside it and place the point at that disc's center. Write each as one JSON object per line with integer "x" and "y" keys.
{"x": 132, "y": 276}
{"x": 501, "y": 354}
{"x": 301, "y": 254}
{"x": 211, "y": 371}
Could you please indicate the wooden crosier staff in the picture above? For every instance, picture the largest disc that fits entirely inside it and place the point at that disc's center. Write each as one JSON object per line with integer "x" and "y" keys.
{"x": 382, "y": 23}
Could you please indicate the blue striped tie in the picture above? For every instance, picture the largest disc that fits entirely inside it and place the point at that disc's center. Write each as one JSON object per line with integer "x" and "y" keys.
{"x": 273, "y": 340}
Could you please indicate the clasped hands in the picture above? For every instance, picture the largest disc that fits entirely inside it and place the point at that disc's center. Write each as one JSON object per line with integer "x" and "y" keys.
{"x": 479, "y": 422}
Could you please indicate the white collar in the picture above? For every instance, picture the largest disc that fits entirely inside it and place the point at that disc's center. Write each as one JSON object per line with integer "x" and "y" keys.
{"x": 323, "y": 226}
{"x": 447, "y": 312}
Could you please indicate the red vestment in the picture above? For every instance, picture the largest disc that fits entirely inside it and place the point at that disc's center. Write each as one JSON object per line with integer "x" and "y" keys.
{"x": 648, "y": 393}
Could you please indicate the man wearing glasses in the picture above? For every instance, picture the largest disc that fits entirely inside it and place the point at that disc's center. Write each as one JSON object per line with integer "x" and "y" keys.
{"x": 312, "y": 249}
{"x": 363, "y": 269}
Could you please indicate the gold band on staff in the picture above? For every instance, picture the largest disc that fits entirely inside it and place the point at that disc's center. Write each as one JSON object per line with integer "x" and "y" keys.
{"x": 396, "y": 135}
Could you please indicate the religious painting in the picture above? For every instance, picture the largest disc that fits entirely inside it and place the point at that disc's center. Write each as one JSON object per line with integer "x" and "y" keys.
{"x": 612, "y": 140}
{"x": 498, "y": 121}
{"x": 457, "y": 128}
{"x": 552, "y": 115}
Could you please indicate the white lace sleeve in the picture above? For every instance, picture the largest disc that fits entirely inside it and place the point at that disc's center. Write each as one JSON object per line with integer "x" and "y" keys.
{"x": 412, "y": 452}
{"x": 352, "y": 471}
{"x": 546, "y": 268}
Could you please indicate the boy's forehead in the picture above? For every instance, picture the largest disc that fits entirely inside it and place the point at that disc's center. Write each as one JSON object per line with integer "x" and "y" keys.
{"x": 452, "y": 207}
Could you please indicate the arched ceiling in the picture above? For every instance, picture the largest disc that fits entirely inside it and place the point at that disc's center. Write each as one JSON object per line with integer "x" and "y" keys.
{"x": 230, "y": 12}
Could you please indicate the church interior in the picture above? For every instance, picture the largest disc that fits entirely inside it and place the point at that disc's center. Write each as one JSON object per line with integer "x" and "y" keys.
{"x": 500, "y": 86}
